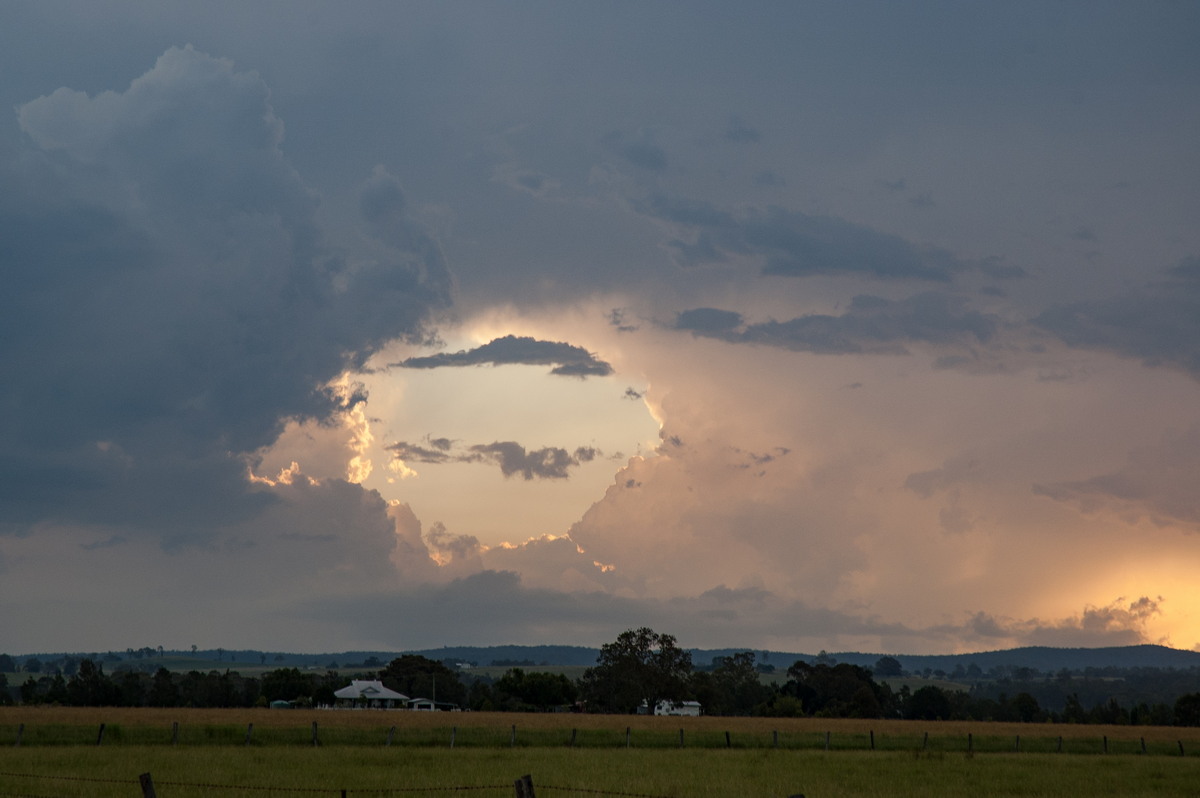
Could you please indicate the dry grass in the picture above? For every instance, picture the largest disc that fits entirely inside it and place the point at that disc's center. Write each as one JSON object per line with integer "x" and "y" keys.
{"x": 565, "y": 722}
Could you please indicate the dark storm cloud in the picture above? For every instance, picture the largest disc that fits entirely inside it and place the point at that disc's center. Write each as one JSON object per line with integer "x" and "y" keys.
{"x": 871, "y": 324}
{"x": 793, "y": 244}
{"x": 1158, "y": 323}
{"x": 169, "y": 301}
{"x": 548, "y": 462}
{"x": 415, "y": 453}
{"x": 568, "y": 360}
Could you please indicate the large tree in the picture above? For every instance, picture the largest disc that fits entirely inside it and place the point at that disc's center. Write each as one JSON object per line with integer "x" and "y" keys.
{"x": 420, "y": 677}
{"x": 641, "y": 667}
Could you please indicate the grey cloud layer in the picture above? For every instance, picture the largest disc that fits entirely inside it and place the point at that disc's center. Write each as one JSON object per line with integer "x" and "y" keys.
{"x": 1159, "y": 323}
{"x": 793, "y": 244}
{"x": 870, "y": 325}
{"x": 568, "y": 360}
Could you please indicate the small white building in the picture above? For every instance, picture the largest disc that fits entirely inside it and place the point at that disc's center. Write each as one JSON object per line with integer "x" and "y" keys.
{"x": 689, "y": 709}
{"x": 369, "y": 694}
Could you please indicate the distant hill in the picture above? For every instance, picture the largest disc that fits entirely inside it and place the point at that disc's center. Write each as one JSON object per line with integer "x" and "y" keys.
{"x": 1043, "y": 658}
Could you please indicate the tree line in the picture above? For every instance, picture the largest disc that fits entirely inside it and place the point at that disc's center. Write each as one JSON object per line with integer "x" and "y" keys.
{"x": 635, "y": 673}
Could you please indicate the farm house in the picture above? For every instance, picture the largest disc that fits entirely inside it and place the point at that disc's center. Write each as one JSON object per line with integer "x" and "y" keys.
{"x": 369, "y": 694}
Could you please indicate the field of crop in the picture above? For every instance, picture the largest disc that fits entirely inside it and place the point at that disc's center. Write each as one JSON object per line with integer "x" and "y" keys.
{"x": 58, "y": 755}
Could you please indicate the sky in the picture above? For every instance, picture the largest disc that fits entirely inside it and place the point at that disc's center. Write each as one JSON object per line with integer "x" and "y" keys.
{"x": 790, "y": 326}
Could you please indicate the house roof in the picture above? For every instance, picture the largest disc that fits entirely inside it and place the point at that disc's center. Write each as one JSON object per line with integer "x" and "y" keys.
{"x": 371, "y": 690}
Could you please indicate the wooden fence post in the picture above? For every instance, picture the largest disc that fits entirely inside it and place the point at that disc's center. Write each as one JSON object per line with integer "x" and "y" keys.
{"x": 524, "y": 786}
{"x": 1180, "y": 747}
{"x": 175, "y": 733}
{"x": 513, "y": 740}
{"x": 1143, "y": 745}
{"x": 627, "y": 730}
{"x": 925, "y": 742}
{"x": 147, "y": 785}
{"x": 315, "y": 741}
{"x": 775, "y": 738}
{"x": 391, "y": 732}
{"x": 20, "y": 731}
{"x": 970, "y": 743}
{"x": 453, "y": 735}
{"x": 1017, "y": 744}
{"x": 826, "y": 741}
{"x": 573, "y": 733}
{"x": 1106, "y": 743}
{"x": 100, "y": 735}
{"x": 728, "y": 742}
{"x": 872, "y": 739}
{"x": 1060, "y": 743}
{"x": 249, "y": 731}
{"x": 681, "y": 738}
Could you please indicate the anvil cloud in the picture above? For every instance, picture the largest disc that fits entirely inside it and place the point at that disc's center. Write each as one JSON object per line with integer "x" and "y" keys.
{"x": 879, "y": 324}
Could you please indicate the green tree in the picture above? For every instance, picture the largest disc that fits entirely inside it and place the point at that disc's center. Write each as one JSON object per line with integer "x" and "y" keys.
{"x": 888, "y": 666}
{"x": 420, "y": 677}
{"x": 1187, "y": 710}
{"x": 640, "y": 668}
{"x": 89, "y": 687}
{"x": 536, "y": 690}
{"x": 841, "y": 690}
{"x": 7, "y": 665}
{"x": 163, "y": 692}
{"x": 287, "y": 684}
{"x": 928, "y": 703}
{"x": 733, "y": 687}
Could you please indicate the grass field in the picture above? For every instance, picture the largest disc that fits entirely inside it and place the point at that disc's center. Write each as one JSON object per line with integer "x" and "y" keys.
{"x": 58, "y": 755}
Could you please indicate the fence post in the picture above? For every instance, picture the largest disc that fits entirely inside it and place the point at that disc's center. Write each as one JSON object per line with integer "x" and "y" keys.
{"x": 391, "y": 731}
{"x": 1180, "y": 747}
{"x": 1106, "y": 743}
{"x": 925, "y": 742}
{"x": 872, "y": 739}
{"x": 970, "y": 743}
{"x": 626, "y": 736}
{"x": 1143, "y": 745}
{"x": 453, "y": 735}
{"x": 249, "y": 731}
{"x": 573, "y": 733}
{"x": 316, "y": 742}
{"x": 775, "y": 738}
{"x": 524, "y": 786}
{"x": 100, "y": 735}
{"x": 681, "y": 738}
{"x": 147, "y": 785}
{"x": 513, "y": 740}
{"x": 1017, "y": 744}
{"x": 175, "y": 733}
{"x": 20, "y": 731}
{"x": 826, "y": 741}
{"x": 1060, "y": 743}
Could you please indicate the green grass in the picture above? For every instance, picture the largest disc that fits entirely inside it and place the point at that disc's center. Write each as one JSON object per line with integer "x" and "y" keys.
{"x": 689, "y": 773}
